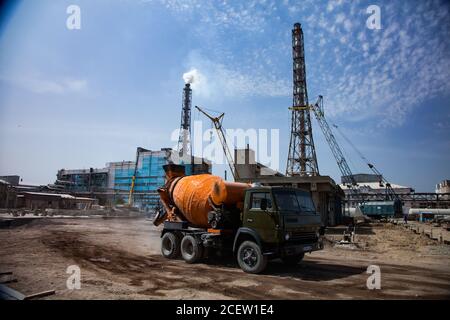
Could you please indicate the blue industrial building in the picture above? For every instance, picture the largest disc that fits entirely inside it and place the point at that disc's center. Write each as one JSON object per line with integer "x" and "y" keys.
{"x": 111, "y": 185}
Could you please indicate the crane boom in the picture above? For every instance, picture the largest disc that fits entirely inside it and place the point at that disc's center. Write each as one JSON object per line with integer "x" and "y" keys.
{"x": 217, "y": 121}
{"x": 390, "y": 193}
{"x": 342, "y": 163}
{"x": 317, "y": 109}
{"x": 334, "y": 146}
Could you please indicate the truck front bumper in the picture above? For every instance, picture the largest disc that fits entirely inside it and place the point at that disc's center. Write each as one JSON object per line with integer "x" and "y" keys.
{"x": 292, "y": 249}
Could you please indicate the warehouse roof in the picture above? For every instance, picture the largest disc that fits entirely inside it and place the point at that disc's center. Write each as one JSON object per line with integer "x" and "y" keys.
{"x": 58, "y": 195}
{"x": 375, "y": 186}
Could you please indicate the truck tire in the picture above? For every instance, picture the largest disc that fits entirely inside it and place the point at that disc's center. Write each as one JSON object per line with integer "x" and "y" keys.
{"x": 292, "y": 260}
{"x": 170, "y": 245}
{"x": 191, "y": 249}
{"x": 251, "y": 258}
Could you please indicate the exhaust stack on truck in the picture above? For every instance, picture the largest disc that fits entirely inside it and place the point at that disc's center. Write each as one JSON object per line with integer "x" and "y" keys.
{"x": 204, "y": 214}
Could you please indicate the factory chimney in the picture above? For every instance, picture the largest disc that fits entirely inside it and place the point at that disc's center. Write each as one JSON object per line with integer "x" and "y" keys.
{"x": 184, "y": 141}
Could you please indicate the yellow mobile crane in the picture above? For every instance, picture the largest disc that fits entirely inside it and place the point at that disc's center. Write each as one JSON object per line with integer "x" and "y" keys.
{"x": 133, "y": 178}
{"x": 217, "y": 122}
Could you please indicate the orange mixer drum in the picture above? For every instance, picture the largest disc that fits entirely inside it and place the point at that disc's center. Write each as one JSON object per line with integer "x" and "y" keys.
{"x": 191, "y": 193}
{"x": 228, "y": 193}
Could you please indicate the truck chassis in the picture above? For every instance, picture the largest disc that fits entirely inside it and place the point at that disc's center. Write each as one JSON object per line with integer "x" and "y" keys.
{"x": 194, "y": 244}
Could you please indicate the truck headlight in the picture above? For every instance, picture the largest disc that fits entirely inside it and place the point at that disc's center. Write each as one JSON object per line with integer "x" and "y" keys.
{"x": 286, "y": 236}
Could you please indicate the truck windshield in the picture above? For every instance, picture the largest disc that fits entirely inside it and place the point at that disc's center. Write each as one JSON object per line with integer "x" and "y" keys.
{"x": 291, "y": 200}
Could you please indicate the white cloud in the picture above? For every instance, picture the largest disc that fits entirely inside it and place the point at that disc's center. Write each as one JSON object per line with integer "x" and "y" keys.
{"x": 74, "y": 85}
{"x": 219, "y": 80}
{"x": 322, "y": 42}
{"x": 384, "y": 74}
{"x": 333, "y": 4}
{"x": 364, "y": 74}
{"x": 41, "y": 85}
{"x": 347, "y": 25}
{"x": 247, "y": 15}
{"x": 340, "y": 18}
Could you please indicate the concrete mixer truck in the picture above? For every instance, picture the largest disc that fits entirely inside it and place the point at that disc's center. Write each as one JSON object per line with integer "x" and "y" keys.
{"x": 203, "y": 215}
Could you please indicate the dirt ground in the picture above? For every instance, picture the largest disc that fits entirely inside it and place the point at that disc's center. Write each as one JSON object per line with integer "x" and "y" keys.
{"x": 120, "y": 259}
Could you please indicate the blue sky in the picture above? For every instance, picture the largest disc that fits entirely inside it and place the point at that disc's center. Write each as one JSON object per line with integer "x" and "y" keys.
{"x": 82, "y": 98}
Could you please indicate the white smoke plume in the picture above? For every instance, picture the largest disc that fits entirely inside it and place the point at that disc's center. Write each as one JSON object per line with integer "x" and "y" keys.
{"x": 198, "y": 82}
{"x": 192, "y": 76}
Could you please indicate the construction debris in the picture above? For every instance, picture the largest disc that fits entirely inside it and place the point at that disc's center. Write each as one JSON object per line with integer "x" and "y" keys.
{"x": 437, "y": 232}
{"x": 7, "y": 277}
{"x": 40, "y": 294}
{"x": 7, "y": 293}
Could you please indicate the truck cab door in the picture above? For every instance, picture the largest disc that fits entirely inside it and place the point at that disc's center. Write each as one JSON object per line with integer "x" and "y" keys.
{"x": 262, "y": 220}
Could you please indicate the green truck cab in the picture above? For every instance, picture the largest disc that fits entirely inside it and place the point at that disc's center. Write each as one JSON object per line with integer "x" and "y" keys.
{"x": 274, "y": 222}
{"x": 277, "y": 222}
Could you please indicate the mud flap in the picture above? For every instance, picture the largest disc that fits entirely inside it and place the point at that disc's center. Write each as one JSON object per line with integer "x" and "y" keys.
{"x": 159, "y": 218}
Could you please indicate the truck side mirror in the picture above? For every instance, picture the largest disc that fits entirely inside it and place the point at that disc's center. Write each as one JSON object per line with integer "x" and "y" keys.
{"x": 263, "y": 204}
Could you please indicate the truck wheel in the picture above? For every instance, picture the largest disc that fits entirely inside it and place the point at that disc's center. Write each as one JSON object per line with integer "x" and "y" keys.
{"x": 170, "y": 246}
{"x": 191, "y": 250}
{"x": 250, "y": 257}
{"x": 292, "y": 260}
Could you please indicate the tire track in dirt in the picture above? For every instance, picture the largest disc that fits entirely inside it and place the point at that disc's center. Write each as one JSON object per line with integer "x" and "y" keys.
{"x": 156, "y": 277}
{"x": 154, "y": 273}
